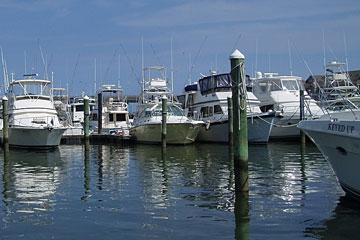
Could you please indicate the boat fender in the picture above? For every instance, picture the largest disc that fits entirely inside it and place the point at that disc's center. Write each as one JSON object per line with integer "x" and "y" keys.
{"x": 207, "y": 126}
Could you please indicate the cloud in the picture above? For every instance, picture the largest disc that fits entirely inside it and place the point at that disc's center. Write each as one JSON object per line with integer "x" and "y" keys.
{"x": 190, "y": 13}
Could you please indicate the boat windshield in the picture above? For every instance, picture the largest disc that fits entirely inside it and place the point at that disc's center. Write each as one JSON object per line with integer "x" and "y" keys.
{"x": 172, "y": 110}
{"x": 32, "y": 88}
{"x": 291, "y": 85}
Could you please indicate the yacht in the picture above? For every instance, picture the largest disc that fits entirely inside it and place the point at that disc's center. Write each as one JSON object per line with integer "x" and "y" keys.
{"x": 282, "y": 93}
{"x": 337, "y": 135}
{"x": 338, "y": 91}
{"x": 148, "y": 117}
{"x": 114, "y": 111}
{"x": 206, "y": 100}
{"x": 33, "y": 120}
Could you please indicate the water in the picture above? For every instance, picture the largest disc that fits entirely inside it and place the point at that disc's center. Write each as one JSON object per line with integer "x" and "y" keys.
{"x": 187, "y": 192}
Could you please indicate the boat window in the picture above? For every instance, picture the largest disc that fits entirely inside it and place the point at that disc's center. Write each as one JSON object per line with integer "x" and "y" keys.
{"x": 79, "y": 108}
{"x": 111, "y": 117}
{"x": 204, "y": 111}
{"x": 217, "y": 109}
{"x": 31, "y": 89}
{"x": 290, "y": 85}
{"x": 121, "y": 117}
{"x": 263, "y": 86}
{"x": 301, "y": 85}
{"x": 175, "y": 110}
{"x": 275, "y": 85}
{"x": 190, "y": 100}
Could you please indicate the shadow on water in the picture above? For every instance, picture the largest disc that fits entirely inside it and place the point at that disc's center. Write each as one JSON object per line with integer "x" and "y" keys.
{"x": 30, "y": 180}
{"x": 343, "y": 224}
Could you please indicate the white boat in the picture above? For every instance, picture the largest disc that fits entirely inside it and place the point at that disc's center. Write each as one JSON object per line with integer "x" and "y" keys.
{"x": 114, "y": 111}
{"x": 338, "y": 92}
{"x": 148, "y": 117}
{"x": 337, "y": 135}
{"x": 33, "y": 120}
{"x": 282, "y": 93}
{"x": 206, "y": 100}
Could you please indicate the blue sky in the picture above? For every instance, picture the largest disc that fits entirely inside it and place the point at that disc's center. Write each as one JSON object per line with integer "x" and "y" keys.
{"x": 72, "y": 33}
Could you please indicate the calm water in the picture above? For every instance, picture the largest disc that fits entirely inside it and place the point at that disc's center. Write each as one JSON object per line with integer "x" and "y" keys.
{"x": 139, "y": 192}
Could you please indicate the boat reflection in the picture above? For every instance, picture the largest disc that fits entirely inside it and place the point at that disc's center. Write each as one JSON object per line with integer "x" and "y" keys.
{"x": 337, "y": 226}
{"x": 30, "y": 180}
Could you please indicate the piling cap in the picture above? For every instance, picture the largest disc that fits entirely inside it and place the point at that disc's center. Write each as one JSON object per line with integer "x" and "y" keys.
{"x": 236, "y": 55}
{"x": 4, "y": 98}
{"x": 86, "y": 97}
{"x": 164, "y": 97}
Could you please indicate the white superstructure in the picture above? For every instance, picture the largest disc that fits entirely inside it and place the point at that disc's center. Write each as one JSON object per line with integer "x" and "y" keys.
{"x": 282, "y": 93}
{"x": 148, "y": 117}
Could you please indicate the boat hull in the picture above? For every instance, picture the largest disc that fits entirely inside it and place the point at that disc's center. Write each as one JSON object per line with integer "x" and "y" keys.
{"x": 286, "y": 127}
{"x": 176, "y": 133}
{"x": 259, "y": 129}
{"x": 26, "y": 137}
{"x": 340, "y": 144}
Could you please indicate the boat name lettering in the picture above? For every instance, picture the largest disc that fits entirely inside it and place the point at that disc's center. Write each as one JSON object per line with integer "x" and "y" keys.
{"x": 341, "y": 128}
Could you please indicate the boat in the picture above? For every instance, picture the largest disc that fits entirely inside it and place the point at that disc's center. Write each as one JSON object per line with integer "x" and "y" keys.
{"x": 33, "y": 120}
{"x": 114, "y": 111}
{"x": 206, "y": 100}
{"x": 282, "y": 93}
{"x": 338, "y": 91}
{"x": 148, "y": 116}
{"x": 337, "y": 135}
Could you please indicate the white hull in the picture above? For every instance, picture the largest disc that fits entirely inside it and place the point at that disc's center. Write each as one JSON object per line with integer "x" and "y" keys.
{"x": 339, "y": 141}
{"x": 35, "y": 137}
{"x": 176, "y": 133}
{"x": 258, "y": 130}
{"x": 286, "y": 127}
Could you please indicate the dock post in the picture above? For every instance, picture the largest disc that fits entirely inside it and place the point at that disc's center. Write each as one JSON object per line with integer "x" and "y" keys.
{"x": 5, "y": 120}
{"x": 163, "y": 123}
{"x": 86, "y": 118}
{"x": 230, "y": 121}
{"x": 237, "y": 60}
{"x": 99, "y": 102}
{"x": 302, "y": 117}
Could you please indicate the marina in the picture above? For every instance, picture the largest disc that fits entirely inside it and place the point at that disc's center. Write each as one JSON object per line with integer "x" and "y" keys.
{"x": 139, "y": 191}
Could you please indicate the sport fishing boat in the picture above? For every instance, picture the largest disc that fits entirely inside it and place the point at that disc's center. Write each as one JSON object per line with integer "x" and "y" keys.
{"x": 337, "y": 135}
{"x": 114, "y": 111}
{"x": 206, "y": 100}
{"x": 33, "y": 120}
{"x": 282, "y": 93}
{"x": 148, "y": 117}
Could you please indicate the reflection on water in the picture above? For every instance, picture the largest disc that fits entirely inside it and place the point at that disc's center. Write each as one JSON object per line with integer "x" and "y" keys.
{"x": 30, "y": 180}
{"x": 182, "y": 192}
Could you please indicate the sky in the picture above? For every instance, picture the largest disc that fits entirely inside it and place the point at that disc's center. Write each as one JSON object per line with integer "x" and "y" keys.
{"x": 67, "y": 37}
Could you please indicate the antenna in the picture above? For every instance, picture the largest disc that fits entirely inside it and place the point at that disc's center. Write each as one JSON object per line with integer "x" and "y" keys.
{"x": 95, "y": 76}
{"x": 172, "y": 67}
{"x": 119, "y": 65}
{"x": 44, "y": 62}
{"x": 6, "y": 77}
{"x": 142, "y": 70}
{"x": 189, "y": 69}
{"x": 25, "y": 62}
{"x": 291, "y": 70}
{"x": 346, "y": 58}
{"x": 323, "y": 35}
{"x": 256, "y": 56}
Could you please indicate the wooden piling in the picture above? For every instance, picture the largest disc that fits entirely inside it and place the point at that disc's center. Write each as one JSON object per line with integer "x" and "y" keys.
{"x": 5, "y": 120}
{"x": 86, "y": 117}
{"x": 240, "y": 137}
{"x": 230, "y": 121}
{"x": 163, "y": 123}
{"x": 302, "y": 117}
{"x": 99, "y": 102}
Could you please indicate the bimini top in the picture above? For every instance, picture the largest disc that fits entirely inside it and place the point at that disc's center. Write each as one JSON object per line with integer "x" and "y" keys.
{"x": 213, "y": 83}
